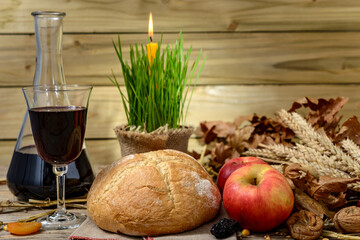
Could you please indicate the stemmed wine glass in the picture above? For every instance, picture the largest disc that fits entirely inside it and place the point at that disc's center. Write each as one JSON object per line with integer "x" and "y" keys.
{"x": 58, "y": 120}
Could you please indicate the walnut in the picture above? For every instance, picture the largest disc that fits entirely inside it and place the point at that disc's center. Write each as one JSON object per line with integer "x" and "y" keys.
{"x": 305, "y": 225}
{"x": 347, "y": 220}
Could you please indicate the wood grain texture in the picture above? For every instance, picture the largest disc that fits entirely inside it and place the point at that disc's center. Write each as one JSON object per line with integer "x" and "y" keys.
{"x": 261, "y": 56}
{"x": 209, "y": 103}
{"x": 101, "y": 152}
{"x": 187, "y": 15}
{"x": 231, "y": 58}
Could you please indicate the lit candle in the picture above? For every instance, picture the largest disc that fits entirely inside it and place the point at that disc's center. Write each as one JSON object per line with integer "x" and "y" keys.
{"x": 151, "y": 47}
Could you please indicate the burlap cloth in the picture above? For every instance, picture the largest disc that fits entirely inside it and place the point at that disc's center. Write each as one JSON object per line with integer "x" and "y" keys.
{"x": 88, "y": 230}
{"x": 132, "y": 140}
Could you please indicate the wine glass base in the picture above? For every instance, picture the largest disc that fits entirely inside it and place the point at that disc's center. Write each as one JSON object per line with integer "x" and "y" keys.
{"x": 59, "y": 221}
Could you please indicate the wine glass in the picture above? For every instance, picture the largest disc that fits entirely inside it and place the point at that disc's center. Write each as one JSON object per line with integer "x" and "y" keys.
{"x": 58, "y": 120}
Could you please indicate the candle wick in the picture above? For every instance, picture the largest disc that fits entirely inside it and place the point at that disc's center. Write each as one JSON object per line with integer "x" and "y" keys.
{"x": 151, "y": 39}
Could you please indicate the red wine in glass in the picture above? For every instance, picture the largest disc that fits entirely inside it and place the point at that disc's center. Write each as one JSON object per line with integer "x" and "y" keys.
{"x": 58, "y": 132}
{"x": 58, "y": 120}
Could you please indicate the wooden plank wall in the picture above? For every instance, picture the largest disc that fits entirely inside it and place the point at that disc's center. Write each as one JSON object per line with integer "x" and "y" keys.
{"x": 261, "y": 56}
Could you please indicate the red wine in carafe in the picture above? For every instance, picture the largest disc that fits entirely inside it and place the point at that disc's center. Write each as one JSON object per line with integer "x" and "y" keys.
{"x": 30, "y": 177}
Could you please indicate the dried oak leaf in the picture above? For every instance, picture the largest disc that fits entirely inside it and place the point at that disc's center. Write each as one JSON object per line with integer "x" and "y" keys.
{"x": 194, "y": 154}
{"x": 294, "y": 171}
{"x": 347, "y": 220}
{"x": 221, "y": 152}
{"x": 305, "y": 225}
{"x": 241, "y": 119}
{"x": 216, "y": 129}
{"x": 304, "y": 202}
{"x": 303, "y": 178}
{"x": 239, "y": 140}
{"x": 330, "y": 190}
{"x": 327, "y": 189}
{"x": 322, "y": 113}
{"x": 270, "y": 131}
{"x": 350, "y": 129}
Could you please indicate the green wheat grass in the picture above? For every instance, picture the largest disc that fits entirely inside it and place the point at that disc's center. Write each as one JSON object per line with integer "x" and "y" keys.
{"x": 159, "y": 93}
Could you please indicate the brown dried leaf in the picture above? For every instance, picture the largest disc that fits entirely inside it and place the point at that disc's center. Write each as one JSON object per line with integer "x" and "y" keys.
{"x": 221, "y": 152}
{"x": 208, "y": 131}
{"x": 304, "y": 202}
{"x": 303, "y": 180}
{"x": 322, "y": 113}
{"x": 305, "y": 225}
{"x": 256, "y": 139}
{"x": 327, "y": 189}
{"x": 241, "y": 119}
{"x": 224, "y": 129}
{"x": 350, "y": 129}
{"x": 293, "y": 171}
{"x": 216, "y": 129}
{"x": 298, "y": 104}
{"x": 240, "y": 138}
{"x": 269, "y": 131}
{"x": 330, "y": 190}
{"x": 195, "y": 154}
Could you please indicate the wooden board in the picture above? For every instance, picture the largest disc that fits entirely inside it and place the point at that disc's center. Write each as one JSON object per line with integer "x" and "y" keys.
{"x": 261, "y": 56}
{"x": 101, "y": 152}
{"x": 231, "y": 58}
{"x": 189, "y": 16}
{"x": 208, "y": 103}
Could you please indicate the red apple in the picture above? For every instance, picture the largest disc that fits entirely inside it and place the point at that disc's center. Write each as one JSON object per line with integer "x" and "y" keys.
{"x": 258, "y": 197}
{"x": 230, "y": 166}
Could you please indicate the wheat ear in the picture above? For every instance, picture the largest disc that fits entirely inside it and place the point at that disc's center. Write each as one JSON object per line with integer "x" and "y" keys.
{"x": 307, "y": 156}
{"x": 321, "y": 143}
{"x": 261, "y": 152}
{"x": 352, "y": 149}
{"x": 302, "y": 129}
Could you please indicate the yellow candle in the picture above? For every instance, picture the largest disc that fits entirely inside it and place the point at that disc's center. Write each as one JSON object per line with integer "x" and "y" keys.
{"x": 151, "y": 47}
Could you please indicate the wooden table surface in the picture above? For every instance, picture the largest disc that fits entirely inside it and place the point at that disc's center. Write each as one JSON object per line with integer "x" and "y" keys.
{"x": 5, "y": 194}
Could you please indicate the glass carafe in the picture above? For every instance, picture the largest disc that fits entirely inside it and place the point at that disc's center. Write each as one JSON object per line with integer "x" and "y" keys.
{"x": 30, "y": 177}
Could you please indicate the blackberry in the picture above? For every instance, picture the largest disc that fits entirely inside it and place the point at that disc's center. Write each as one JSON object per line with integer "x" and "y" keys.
{"x": 224, "y": 228}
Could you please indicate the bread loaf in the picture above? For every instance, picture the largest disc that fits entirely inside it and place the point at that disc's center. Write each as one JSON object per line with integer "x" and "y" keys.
{"x": 154, "y": 193}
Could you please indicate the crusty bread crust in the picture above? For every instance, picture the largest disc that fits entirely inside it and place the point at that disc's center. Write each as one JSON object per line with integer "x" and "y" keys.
{"x": 154, "y": 193}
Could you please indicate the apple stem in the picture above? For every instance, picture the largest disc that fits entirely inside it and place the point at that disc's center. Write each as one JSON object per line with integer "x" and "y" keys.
{"x": 255, "y": 181}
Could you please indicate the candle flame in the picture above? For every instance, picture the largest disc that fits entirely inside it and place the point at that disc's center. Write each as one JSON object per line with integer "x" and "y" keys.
{"x": 151, "y": 31}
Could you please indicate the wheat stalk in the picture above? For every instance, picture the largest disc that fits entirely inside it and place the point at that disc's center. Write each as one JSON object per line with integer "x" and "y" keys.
{"x": 343, "y": 161}
{"x": 320, "y": 143}
{"x": 336, "y": 235}
{"x": 301, "y": 128}
{"x": 306, "y": 156}
{"x": 315, "y": 149}
{"x": 352, "y": 149}
{"x": 324, "y": 161}
{"x": 261, "y": 152}
{"x": 278, "y": 167}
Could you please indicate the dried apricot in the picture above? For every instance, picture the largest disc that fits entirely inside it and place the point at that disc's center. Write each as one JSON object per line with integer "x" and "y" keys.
{"x": 245, "y": 232}
{"x": 23, "y": 228}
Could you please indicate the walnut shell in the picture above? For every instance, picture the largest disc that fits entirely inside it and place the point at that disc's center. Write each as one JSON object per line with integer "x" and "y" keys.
{"x": 305, "y": 225}
{"x": 347, "y": 220}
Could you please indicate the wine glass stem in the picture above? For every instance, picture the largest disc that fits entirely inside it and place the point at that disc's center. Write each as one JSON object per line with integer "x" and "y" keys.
{"x": 60, "y": 171}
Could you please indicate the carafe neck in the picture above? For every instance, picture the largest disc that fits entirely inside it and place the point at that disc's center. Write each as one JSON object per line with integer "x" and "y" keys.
{"x": 48, "y": 34}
